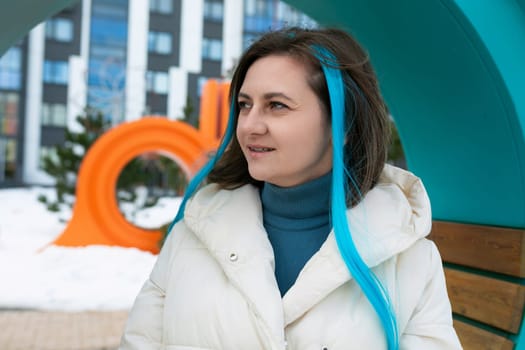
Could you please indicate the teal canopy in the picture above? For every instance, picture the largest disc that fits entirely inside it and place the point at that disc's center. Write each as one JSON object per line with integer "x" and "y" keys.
{"x": 18, "y": 17}
{"x": 453, "y": 74}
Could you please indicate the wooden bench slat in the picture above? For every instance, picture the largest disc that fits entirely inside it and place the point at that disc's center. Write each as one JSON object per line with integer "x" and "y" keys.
{"x": 475, "y": 338}
{"x": 489, "y": 300}
{"x": 496, "y": 249}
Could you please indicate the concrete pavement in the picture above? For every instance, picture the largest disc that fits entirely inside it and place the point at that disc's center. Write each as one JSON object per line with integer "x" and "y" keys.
{"x": 47, "y": 330}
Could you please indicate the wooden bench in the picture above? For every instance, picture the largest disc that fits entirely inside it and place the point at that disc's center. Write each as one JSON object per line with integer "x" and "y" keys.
{"x": 483, "y": 268}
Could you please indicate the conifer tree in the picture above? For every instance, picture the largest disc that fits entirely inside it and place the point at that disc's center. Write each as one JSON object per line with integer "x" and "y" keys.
{"x": 64, "y": 162}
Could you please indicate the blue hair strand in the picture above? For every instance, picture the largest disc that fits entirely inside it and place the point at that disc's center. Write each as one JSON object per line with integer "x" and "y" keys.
{"x": 369, "y": 283}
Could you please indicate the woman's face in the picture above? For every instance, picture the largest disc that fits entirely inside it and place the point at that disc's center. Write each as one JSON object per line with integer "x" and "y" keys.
{"x": 282, "y": 129}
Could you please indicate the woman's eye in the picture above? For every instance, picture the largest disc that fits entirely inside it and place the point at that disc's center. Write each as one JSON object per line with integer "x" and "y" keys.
{"x": 243, "y": 105}
{"x": 277, "y": 105}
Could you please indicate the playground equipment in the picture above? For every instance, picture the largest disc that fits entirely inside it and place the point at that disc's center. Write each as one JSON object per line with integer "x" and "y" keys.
{"x": 96, "y": 218}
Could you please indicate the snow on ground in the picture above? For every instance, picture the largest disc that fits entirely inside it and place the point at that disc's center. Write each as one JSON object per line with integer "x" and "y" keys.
{"x": 37, "y": 275}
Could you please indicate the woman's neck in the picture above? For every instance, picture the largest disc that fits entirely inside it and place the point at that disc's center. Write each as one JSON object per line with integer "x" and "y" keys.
{"x": 297, "y": 220}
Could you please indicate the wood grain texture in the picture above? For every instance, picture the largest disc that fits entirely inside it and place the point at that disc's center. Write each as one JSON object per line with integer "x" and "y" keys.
{"x": 496, "y": 249}
{"x": 474, "y": 338}
{"x": 492, "y": 301}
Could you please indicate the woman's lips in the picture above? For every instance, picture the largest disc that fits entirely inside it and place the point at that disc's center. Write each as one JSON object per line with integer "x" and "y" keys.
{"x": 259, "y": 150}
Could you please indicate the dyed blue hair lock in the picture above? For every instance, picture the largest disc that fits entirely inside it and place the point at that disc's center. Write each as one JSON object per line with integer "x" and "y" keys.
{"x": 370, "y": 285}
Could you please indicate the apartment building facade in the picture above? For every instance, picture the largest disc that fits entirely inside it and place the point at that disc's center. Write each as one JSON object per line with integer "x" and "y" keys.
{"x": 126, "y": 58}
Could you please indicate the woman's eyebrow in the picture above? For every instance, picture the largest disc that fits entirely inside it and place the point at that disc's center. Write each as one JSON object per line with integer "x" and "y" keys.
{"x": 267, "y": 96}
{"x": 271, "y": 95}
{"x": 243, "y": 95}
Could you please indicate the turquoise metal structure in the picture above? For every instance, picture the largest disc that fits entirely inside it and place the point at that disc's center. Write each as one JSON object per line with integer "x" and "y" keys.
{"x": 19, "y": 16}
{"x": 453, "y": 75}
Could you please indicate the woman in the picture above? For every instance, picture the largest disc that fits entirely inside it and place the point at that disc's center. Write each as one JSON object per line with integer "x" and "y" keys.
{"x": 303, "y": 237}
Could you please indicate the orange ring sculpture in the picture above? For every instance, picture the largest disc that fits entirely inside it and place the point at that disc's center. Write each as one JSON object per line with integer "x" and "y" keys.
{"x": 96, "y": 218}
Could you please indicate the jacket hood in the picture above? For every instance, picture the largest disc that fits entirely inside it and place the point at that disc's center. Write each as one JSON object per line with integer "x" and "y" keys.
{"x": 391, "y": 217}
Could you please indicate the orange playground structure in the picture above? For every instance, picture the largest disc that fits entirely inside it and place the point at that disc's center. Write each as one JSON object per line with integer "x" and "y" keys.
{"x": 96, "y": 217}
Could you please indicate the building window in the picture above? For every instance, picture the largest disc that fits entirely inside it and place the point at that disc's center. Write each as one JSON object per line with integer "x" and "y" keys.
{"x": 55, "y": 72}
{"x": 258, "y": 24}
{"x": 54, "y": 114}
{"x": 107, "y": 58}
{"x": 59, "y": 29}
{"x": 286, "y": 15}
{"x": 211, "y": 49}
{"x": 249, "y": 7}
{"x": 8, "y": 114}
{"x": 249, "y": 39}
{"x": 157, "y": 82}
{"x": 213, "y": 10}
{"x": 10, "y": 69}
{"x": 258, "y": 7}
{"x": 161, "y": 6}
{"x": 201, "y": 81}
{"x": 263, "y": 15}
{"x": 159, "y": 42}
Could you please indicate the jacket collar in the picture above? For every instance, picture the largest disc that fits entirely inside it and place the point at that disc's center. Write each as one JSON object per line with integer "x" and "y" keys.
{"x": 391, "y": 217}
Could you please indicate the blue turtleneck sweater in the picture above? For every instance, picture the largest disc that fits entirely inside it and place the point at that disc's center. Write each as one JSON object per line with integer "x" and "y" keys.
{"x": 297, "y": 221}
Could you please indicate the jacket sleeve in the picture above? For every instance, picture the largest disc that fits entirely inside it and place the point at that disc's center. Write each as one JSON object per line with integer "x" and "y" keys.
{"x": 144, "y": 325}
{"x": 430, "y": 326}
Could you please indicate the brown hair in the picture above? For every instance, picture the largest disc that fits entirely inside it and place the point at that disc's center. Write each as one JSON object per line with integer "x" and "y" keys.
{"x": 367, "y": 120}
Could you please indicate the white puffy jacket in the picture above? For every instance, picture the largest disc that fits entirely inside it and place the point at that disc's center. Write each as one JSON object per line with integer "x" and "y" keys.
{"x": 213, "y": 286}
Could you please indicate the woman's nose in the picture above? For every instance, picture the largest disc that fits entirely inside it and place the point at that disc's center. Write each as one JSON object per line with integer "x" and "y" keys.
{"x": 252, "y": 122}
